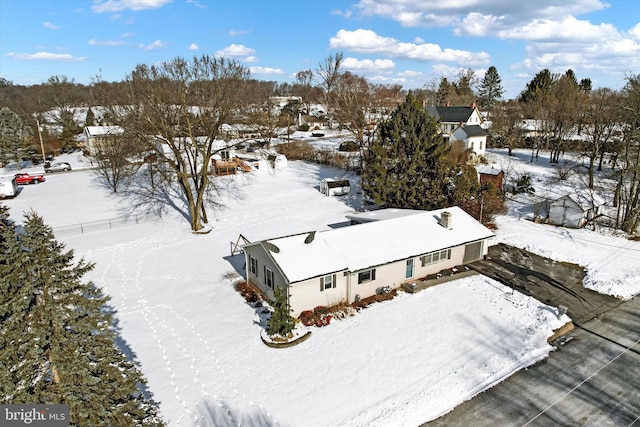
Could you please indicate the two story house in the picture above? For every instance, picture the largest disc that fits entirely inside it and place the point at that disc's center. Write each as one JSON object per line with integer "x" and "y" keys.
{"x": 461, "y": 124}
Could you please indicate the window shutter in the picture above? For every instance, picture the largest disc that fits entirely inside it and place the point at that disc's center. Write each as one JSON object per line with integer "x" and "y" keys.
{"x": 322, "y": 284}
{"x": 334, "y": 281}
{"x": 373, "y": 274}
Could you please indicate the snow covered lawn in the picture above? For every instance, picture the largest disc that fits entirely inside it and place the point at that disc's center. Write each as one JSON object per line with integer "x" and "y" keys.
{"x": 397, "y": 363}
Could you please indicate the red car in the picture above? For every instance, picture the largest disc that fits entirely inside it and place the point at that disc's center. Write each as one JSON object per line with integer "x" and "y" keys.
{"x": 25, "y": 178}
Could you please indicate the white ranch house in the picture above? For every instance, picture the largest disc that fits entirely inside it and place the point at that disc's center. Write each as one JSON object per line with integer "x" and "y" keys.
{"x": 345, "y": 264}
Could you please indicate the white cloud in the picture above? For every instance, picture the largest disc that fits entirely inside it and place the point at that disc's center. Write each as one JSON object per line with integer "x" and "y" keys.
{"x": 50, "y": 26}
{"x": 635, "y": 31}
{"x": 411, "y": 74}
{"x": 237, "y": 51}
{"x": 567, "y": 29}
{"x": 368, "y": 65}
{"x": 94, "y": 42}
{"x": 473, "y": 16}
{"x": 235, "y": 33}
{"x": 45, "y": 56}
{"x": 445, "y": 70}
{"x": 265, "y": 70}
{"x": 193, "y": 46}
{"x": 109, "y": 6}
{"x": 155, "y": 45}
{"x": 476, "y": 24}
{"x": 368, "y": 42}
{"x": 197, "y": 4}
{"x": 387, "y": 80}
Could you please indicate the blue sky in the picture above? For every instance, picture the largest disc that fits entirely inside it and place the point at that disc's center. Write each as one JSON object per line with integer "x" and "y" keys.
{"x": 407, "y": 42}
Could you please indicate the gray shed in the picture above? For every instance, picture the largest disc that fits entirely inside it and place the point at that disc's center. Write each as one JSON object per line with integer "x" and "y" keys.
{"x": 575, "y": 210}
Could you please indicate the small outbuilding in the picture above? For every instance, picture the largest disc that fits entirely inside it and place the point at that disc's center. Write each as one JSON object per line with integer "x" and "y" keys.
{"x": 575, "y": 210}
{"x": 335, "y": 187}
{"x": 490, "y": 174}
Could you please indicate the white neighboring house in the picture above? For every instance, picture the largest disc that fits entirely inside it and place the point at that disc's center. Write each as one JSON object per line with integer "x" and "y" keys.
{"x": 461, "y": 124}
{"x": 95, "y": 136}
{"x": 344, "y": 264}
{"x": 575, "y": 210}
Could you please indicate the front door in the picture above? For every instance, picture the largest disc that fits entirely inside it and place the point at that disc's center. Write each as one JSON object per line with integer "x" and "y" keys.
{"x": 409, "y": 270}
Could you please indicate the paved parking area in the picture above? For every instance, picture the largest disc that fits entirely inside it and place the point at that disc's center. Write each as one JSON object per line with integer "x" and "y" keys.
{"x": 593, "y": 377}
{"x": 551, "y": 282}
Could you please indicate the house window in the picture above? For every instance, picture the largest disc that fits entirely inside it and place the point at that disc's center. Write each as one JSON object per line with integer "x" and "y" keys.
{"x": 268, "y": 277}
{"x": 367, "y": 276}
{"x": 327, "y": 282}
{"x": 253, "y": 265}
{"x": 434, "y": 257}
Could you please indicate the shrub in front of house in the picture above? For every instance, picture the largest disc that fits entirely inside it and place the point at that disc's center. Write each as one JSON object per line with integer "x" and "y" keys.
{"x": 320, "y": 316}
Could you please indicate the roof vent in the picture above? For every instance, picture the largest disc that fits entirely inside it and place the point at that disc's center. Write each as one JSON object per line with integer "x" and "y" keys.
{"x": 446, "y": 219}
{"x": 310, "y": 237}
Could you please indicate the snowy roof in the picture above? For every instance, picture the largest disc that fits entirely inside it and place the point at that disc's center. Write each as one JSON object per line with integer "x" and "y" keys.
{"x": 488, "y": 170}
{"x": 381, "y": 214}
{"x": 585, "y": 199}
{"x": 103, "y": 130}
{"x": 371, "y": 244}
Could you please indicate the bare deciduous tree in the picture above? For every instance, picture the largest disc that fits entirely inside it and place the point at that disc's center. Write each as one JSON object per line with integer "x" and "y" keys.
{"x": 600, "y": 123}
{"x": 328, "y": 73}
{"x": 176, "y": 110}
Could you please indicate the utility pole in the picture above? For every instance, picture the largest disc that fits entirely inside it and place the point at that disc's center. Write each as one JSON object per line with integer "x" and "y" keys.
{"x": 44, "y": 158}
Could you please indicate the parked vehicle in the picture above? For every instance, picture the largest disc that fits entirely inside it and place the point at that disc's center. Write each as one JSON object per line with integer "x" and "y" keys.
{"x": 25, "y": 178}
{"x": 57, "y": 167}
{"x": 8, "y": 187}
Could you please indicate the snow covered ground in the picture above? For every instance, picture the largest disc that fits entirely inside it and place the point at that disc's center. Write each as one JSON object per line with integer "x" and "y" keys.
{"x": 398, "y": 363}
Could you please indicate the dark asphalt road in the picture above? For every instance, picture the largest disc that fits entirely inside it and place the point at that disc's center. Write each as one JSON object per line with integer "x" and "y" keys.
{"x": 592, "y": 379}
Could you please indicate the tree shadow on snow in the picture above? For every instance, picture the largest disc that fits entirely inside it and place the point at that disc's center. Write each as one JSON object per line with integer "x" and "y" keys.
{"x": 125, "y": 348}
{"x": 212, "y": 413}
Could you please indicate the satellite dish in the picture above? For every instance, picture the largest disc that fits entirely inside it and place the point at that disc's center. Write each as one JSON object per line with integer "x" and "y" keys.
{"x": 273, "y": 248}
{"x": 310, "y": 237}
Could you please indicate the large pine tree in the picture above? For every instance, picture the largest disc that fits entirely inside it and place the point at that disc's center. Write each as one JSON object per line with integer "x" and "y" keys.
{"x": 408, "y": 165}
{"x": 57, "y": 342}
{"x": 490, "y": 91}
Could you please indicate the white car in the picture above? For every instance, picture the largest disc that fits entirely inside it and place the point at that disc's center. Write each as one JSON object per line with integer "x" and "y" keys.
{"x": 58, "y": 167}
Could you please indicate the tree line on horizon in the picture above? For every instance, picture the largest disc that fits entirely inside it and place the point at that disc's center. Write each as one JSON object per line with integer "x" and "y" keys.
{"x": 560, "y": 106}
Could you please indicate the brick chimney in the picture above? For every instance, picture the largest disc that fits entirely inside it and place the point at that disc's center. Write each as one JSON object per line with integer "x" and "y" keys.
{"x": 473, "y": 105}
{"x": 446, "y": 219}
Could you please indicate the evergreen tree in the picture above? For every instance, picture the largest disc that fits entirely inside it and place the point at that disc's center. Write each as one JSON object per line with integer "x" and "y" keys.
{"x": 490, "y": 90}
{"x": 56, "y": 335}
{"x": 444, "y": 90}
{"x": 585, "y": 85}
{"x": 12, "y": 134}
{"x": 280, "y": 322}
{"x": 404, "y": 166}
{"x": 538, "y": 87}
{"x": 90, "y": 119}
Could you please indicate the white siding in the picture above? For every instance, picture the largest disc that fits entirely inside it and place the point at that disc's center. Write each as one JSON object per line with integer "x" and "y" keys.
{"x": 307, "y": 294}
